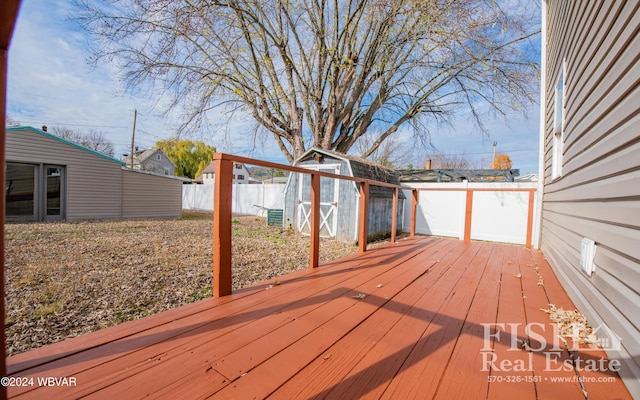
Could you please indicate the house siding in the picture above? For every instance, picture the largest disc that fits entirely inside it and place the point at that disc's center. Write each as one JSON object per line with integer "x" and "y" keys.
{"x": 93, "y": 182}
{"x": 597, "y": 194}
{"x": 146, "y": 195}
{"x": 152, "y": 164}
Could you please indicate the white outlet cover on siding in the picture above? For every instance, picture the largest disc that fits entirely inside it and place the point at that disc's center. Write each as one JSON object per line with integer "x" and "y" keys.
{"x": 587, "y": 255}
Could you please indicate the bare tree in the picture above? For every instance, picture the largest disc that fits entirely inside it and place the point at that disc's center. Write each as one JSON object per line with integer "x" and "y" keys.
{"x": 93, "y": 140}
{"x": 11, "y": 122}
{"x": 322, "y": 72}
{"x": 392, "y": 153}
{"x": 452, "y": 161}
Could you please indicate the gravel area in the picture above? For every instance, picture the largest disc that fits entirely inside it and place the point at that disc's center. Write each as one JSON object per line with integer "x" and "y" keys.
{"x": 67, "y": 279}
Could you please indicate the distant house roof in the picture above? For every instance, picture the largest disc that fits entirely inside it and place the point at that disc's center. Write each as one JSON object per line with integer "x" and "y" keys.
{"x": 142, "y": 155}
{"x": 211, "y": 169}
{"x": 58, "y": 138}
{"x": 458, "y": 175}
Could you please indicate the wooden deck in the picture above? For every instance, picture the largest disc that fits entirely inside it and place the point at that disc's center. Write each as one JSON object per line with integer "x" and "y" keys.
{"x": 410, "y": 320}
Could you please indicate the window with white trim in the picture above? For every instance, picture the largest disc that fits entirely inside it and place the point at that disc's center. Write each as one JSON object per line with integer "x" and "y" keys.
{"x": 558, "y": 127}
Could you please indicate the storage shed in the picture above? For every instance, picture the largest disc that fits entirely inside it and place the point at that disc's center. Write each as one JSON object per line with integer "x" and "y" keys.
{"x": 50, "y": 179}
{"x": 340, "y": 199}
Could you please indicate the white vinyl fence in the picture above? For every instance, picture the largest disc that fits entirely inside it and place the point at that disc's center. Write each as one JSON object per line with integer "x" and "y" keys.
{"x": 496, "y": 215}
{"x": 247, "y": 199}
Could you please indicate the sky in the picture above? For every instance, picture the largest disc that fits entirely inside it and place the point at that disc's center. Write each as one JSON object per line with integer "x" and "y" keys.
{"x": 51, "y": 83}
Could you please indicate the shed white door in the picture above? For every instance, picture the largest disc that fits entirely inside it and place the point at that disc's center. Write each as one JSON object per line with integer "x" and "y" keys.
{"x": 328, "y": 201}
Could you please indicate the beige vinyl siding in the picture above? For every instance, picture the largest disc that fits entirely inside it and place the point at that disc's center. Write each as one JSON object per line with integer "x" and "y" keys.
{"x": 146, "y": 195}
{"x": 598, "y": 194}
{"x": 93, "y": 182}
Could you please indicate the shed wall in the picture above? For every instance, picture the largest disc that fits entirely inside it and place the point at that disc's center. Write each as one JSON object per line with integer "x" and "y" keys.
{"x": 346, "y": 204}
{"x": 380, "y": 201}
{"x": 146, "y": 195}
{"x": 597, "y": 195}
{"x": 93, "y": 182}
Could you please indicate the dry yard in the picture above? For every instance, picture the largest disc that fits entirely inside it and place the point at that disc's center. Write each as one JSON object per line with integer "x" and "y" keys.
{"x": 66, "y": 279}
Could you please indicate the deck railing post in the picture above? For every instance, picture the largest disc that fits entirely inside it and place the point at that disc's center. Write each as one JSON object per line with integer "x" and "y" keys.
{"x": 314, "y": 227}
{"x": 530, "y": 218}
{"x": 222, "y": 192}
{"x": 10, "y": 14}
{"x": 394, "y": 216}
{"x": 364, "y": 217}
{"x": 414, "y": 207}
{"x": 467, "y": 219}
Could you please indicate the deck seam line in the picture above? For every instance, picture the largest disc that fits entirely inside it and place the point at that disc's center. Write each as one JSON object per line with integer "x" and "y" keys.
{"x": 447, "y": 268}
{"x": 419, "y": 252}
{"x": 397, "y": 261}
{"x": 475, "y": 292}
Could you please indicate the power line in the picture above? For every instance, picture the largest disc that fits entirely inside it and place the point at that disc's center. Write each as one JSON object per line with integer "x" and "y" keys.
{"x": 511, "y": 151}
{"x": 81, "y": 125}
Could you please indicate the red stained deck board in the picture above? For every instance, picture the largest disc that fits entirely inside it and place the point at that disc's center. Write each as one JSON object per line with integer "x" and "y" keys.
{"x": 267, "y": 377}
{"x": 512, "y": 360}
{"x": 323, "y": 341}
{"x": 420, "y": 374}
{"x": 613, "y": 387}
{"x": 466, "y": 374}
{"x": 543, "y": 341}
{"x": 371, "y": 339}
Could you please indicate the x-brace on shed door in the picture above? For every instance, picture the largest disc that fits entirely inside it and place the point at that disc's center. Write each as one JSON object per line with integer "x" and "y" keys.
{"x": 328, "y": 201}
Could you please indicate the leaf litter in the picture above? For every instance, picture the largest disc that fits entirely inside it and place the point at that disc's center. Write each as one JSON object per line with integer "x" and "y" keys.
{"x": 65, "y": 279}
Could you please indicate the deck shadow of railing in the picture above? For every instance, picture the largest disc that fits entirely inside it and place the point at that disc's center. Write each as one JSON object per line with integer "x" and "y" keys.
{"x": 450, "y": 329}
{"x": 134, "y": 343}
{"x": 222, "y": 213}
{"x": 400, "y": 249}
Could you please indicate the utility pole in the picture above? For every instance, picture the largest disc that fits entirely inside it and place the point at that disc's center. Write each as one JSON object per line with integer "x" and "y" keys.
{"x": 493, "y": 161}
{"x": 133, "y": 134}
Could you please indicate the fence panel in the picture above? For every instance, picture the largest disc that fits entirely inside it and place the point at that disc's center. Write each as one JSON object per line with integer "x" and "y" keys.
{"x": 499, "y": 215}
{"x": 246, "y": 199}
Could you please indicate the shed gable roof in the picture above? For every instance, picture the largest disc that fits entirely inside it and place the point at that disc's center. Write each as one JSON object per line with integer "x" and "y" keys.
{"x": 362, "y": 168}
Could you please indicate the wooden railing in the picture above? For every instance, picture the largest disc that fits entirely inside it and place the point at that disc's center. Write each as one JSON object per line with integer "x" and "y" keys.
{"x": 222, "y": 218}
{"x": 222, "y": 212}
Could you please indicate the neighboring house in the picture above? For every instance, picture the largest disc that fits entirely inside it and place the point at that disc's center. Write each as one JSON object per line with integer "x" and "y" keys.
{"x": 590, "y": 166}
{"x": 49, "y": 178}
{"x": 240, "y": 174}
{"x": 152, "y": 160}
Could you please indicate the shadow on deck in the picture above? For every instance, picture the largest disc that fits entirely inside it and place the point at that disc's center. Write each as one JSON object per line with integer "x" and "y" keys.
{"x": 421, "y": 318}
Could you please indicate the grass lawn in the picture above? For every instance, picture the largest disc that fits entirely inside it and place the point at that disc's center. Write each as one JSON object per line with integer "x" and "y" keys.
{"x": 66, "y": 279}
